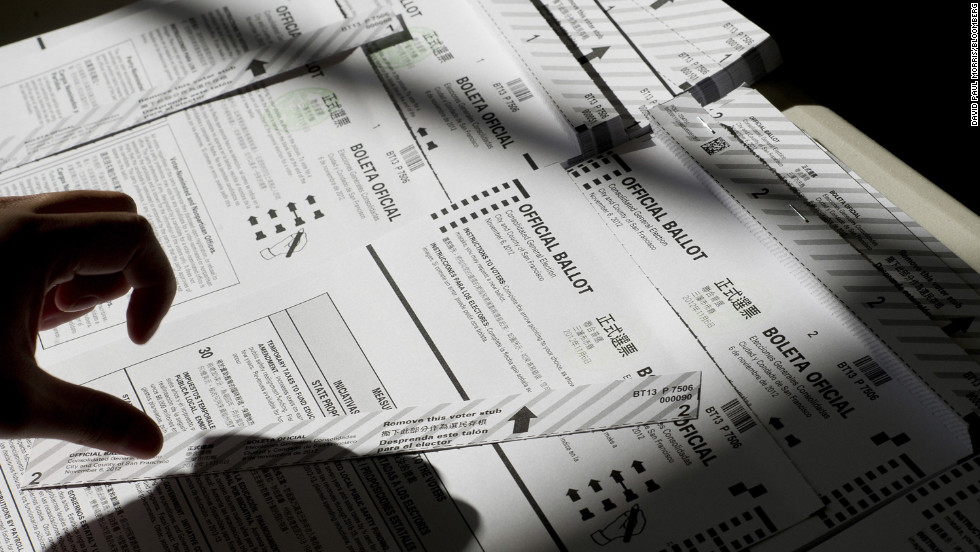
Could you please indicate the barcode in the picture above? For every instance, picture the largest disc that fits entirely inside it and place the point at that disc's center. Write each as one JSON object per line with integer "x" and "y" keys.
{"x": 412, "y": 158}
{"x": 737, "y": 414}
{"x": 717, "y": 145}
{"x": 870, "y": 369}
{"x": 520, "y": 90}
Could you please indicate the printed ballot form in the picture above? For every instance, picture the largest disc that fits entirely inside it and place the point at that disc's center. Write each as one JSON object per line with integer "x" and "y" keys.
{"x": 586, "y": 407}
{"x": 941, "y": 514}
{"x": 260, "y": 185}
{"x": 478, "y": 310}
{"x": 918, "y": 369}
{"x": 604, "y": 63}
{"x": 463, "y": 97}
{"x": 467, "y": 294}
{"x": 930, "y": 283}
{"x": 156, "y": 61}
{"x": 272, "y": 180}
{"x": 486, "y": 275}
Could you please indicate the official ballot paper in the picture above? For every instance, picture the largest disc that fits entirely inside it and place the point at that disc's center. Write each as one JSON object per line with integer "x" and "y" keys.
{"x": 942, "y": 514}
{"x": 444, "y": 291}
{"x": 930, "y": 284}
{"x": 743, "y": 178}
{"x": 390, "y": 228}
{"x": 604, "y": 63}
{"x": 158, "y": 60}
{"x": 284, "y": 176}
{"x": 474, "y": 310}
{"x": 900, "y": 250}
{"x": 587, "y": 407}
{"x": 260, "y": 184}
{"x": 464, "y": 97}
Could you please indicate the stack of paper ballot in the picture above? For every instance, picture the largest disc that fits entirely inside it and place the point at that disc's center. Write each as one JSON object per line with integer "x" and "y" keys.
{"x": 488, "y": 275}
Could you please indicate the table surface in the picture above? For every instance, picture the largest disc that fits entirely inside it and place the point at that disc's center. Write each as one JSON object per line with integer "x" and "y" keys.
{"x": 950, "y": 221}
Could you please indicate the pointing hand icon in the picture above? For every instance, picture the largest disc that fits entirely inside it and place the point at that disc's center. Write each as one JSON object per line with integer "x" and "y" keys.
{"x": 292, "y": 244}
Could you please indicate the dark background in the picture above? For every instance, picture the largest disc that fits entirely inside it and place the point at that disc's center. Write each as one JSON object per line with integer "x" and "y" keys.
{"x": 899, "y": 72}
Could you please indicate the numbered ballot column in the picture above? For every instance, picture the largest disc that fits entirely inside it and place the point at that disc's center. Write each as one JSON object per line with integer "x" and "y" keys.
{"x": 102, "y": 517}
{"x": 257, "y": 373}
{"x": 470, "y": 105}
{"x": 800, "y": 358}
{"x": 565, "y": 71}
{"x": 866, "y": 284}
{"x": 704, "y": 48}
{"x": 932, "y": 281}
{"x": 693, "y": 483}
{"x": 536, "y": 293}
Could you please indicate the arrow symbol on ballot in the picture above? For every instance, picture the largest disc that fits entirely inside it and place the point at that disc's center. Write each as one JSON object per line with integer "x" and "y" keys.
{"x": 310, "y": 199}
{"x": 596, "y": 487}
{"x": 776, "y": 423}
{"x": 422, "y": 132}
{"x": 522, "y": 420}
{"x": 617, "y": 476}
{"x": 272, "y": 213}
{"x": 659, "y": 4}
{"x": 257, "y": 67}
{"x": 253, "y": 220}
{"x": 573, "y": 494}
{"x": 291, "y": 206}
{"x": 638, "y": 466}
{"x": 596, "y": 53}
{"x": 957, "y": 325}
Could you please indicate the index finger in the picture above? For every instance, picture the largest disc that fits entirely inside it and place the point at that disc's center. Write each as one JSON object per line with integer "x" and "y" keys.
{"x": 81, "y": 201}
{"x": 110, "y": 243}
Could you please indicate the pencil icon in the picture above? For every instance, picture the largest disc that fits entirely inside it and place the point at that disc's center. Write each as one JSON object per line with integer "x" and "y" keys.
{"x": 292, "y": 246}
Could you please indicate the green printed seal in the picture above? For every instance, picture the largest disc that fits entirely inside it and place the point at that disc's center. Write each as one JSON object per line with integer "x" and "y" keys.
{"x": 409, "y": 52}
{"x": 301, "y": 109}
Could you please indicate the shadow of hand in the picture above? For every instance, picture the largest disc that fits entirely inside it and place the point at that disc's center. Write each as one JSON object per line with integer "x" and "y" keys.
{"x": 378, "y": 503}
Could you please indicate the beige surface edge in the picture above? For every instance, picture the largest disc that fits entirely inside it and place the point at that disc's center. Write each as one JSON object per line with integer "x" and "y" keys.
{"x": 946, "y": 218}
{"x": 957, "y": 227}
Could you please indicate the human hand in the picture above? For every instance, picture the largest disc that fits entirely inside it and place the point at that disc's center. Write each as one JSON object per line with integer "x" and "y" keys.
{"x": 63, "y": 254}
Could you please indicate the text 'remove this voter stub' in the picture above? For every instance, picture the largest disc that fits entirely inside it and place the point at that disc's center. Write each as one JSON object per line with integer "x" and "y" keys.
{"x": 578, "y": 409}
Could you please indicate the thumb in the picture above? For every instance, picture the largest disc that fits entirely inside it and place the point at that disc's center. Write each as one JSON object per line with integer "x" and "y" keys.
{"x": 61, "y": 410}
